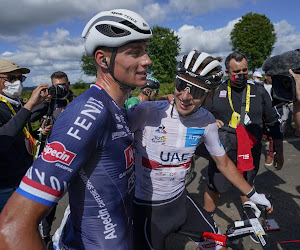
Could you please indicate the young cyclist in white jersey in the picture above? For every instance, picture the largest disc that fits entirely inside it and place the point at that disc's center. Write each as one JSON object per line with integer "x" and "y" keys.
{"x": 90, "y": 150}
{"x": 165, "y": 138}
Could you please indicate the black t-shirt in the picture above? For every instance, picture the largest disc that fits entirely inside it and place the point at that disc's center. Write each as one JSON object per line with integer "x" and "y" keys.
{"x": 260, "y": 111}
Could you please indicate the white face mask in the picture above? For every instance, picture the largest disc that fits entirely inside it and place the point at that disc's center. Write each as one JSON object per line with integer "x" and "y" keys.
{"x": 14, "y": 89}
{"x": 256, "y": 80}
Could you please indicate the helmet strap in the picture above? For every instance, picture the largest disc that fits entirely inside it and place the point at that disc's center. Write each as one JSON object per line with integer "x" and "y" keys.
{"x": 111, "y": 70}
{"x": 149, "y": 95}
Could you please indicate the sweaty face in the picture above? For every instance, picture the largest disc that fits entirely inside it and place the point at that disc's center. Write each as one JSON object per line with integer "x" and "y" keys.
{"x": 131, "y": 64}
{"x": 185, "y": 103}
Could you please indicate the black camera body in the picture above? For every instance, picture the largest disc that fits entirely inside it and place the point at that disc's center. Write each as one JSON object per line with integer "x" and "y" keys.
{"x": 283, "y": 83}
{"x": 59, "y": 91}
{"x": 284, "y": 87}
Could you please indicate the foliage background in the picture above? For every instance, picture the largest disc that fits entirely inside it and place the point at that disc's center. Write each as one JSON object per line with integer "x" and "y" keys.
{"x": 254, "y": 36}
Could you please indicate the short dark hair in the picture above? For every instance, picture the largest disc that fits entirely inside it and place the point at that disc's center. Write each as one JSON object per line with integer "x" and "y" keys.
{"x": 238, "y": 56}
{"x": 59, "y": 74}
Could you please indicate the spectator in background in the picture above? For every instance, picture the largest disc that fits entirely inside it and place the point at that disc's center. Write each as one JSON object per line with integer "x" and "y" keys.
{"x": 266, "y": 131}
{"x": 257, "y": 77}
{"x": 149, "y": 92}
{"x": 287, "y": 118}
{"x": 268, "y": 84}
{"x": 297, "y": 103}
{"x": 226, "y": 105}
{"x": 17, "y": 145}
{"x": 61, "y": 101}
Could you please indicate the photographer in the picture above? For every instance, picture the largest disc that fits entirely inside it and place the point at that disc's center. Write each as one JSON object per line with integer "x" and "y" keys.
{"x": 60, "y": 91}
{"x": 61, "y": 95}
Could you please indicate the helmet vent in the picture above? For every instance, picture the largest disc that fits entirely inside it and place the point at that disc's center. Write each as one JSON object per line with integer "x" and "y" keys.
{"x": 111, "y": 31}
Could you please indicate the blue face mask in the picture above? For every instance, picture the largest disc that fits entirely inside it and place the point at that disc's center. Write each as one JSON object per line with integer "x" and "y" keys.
{"x": 256, "y": 80}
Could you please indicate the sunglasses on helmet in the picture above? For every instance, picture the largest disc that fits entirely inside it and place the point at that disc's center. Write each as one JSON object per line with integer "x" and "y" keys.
{"x": 196, "y": 91}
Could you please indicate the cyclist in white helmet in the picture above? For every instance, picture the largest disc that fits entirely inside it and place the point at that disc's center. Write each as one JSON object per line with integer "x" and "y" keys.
{"x": 148, "y": 92}
{"x": 165, "y": 138}
{"x": 90, "y": 151}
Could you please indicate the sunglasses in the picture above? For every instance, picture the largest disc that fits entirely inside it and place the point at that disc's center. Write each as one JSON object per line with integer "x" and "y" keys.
{"x": 196, "y": 91}
{"x": 155, "y": 90}
{"x": 12, "y": 78}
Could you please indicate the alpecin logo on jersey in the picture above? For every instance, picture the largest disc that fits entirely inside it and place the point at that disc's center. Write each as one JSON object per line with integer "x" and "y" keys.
{"x": 56, "y": 151}
{"x": 129, "y": 155}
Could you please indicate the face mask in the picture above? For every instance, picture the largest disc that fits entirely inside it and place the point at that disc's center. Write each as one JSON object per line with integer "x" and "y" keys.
{"x": 239, "y": 80}
{"x": 256, "y": 80}
{"x": 14, "y": 89}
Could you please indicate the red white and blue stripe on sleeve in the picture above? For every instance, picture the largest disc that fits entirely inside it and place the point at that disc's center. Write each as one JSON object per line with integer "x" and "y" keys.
{"x": 38, "y": 192}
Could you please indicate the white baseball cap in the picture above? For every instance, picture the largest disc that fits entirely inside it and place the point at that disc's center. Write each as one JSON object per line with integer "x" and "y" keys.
{"x": 257, "y": 74}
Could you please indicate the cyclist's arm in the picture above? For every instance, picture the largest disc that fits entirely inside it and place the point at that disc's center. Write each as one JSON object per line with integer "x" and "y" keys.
{"x": 227, "y": 167}
{"x": 19, "y": 223}
{"x": 229, "y": 170}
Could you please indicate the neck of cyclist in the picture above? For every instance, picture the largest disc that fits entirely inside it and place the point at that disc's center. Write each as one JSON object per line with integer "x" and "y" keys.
{"x": 109, "y": 84}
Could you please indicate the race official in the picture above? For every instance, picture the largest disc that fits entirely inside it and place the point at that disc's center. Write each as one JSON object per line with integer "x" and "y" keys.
{"x": 239, "y": 107}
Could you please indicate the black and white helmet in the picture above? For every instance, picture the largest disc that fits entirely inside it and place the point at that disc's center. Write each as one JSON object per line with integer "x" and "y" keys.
{"x": 211, "y": 81}
{"x": 114, "y": 28}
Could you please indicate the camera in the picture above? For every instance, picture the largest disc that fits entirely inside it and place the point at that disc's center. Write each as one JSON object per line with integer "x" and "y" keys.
{"x": 283, "y": 83}
{"x": 284, "y": 87}
{"x": 59, "y": 91}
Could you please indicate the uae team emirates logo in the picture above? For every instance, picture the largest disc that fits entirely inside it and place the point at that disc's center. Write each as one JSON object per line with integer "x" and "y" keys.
{"x": 55, "y": 151}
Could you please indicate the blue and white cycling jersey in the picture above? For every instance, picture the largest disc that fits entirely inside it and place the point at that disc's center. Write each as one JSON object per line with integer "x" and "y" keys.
{"x": 90, "y": 153}
{"x": 164, "y": 145}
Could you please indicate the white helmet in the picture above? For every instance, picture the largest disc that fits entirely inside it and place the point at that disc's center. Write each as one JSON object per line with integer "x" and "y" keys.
{"x": 114, "y": 28}
{"x": 210, "y": 81}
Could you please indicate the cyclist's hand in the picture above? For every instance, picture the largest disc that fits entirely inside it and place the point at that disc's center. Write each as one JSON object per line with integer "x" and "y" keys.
{"x": 260, "y": 199}
{"x": 169, "y": 97}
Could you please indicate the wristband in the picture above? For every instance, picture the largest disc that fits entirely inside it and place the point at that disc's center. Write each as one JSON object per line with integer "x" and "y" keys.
{"x": 252, "y": 191}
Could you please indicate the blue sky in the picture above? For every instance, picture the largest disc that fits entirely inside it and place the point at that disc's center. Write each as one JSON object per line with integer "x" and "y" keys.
{"x": 45, "y": 36}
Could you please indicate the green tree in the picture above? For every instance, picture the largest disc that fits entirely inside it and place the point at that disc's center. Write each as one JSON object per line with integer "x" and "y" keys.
{"x": 80, "y": 84}
{"x": 254, "y": 36}
{"x": 88, "y": 65}
{"x": 163, "y": 50}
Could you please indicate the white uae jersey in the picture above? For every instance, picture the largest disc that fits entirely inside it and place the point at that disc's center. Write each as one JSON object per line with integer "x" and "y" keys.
{"x": 164, "y": 146}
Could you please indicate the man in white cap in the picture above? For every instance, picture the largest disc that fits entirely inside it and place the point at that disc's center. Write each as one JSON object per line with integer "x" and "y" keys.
{"x": 16, "y": 142}
{"x": 257, "y": 77}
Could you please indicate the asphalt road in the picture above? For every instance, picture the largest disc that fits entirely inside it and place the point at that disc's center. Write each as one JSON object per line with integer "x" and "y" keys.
{"x": 284, "y": 185}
